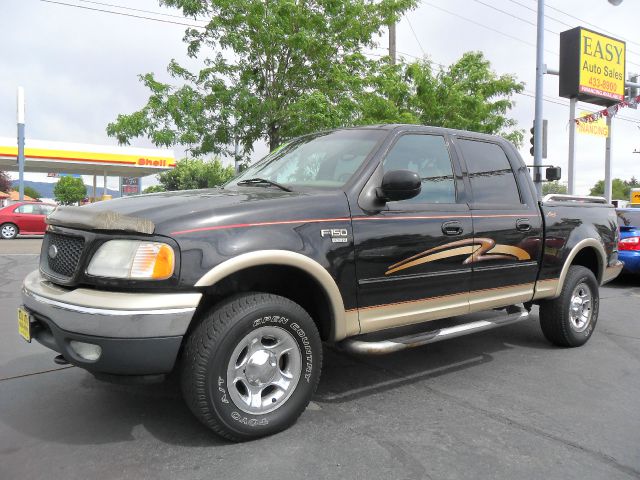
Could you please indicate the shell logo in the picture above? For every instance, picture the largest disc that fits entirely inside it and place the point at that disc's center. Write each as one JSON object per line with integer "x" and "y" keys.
{"x": 152, "y": 163}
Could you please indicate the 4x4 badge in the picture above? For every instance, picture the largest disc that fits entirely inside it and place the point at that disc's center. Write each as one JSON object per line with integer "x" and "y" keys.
{"x": 338, "y": 235}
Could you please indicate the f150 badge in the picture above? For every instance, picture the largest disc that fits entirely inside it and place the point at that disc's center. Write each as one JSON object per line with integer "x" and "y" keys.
{"x": 338, "y": 235}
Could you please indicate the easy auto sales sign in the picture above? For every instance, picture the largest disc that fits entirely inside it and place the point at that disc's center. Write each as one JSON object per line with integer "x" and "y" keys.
{"x": 592, "y": 66}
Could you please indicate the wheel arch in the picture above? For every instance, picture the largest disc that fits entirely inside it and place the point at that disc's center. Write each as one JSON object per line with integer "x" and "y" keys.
{"x": 588, "y": 253}
{"x": 258, "y": 264}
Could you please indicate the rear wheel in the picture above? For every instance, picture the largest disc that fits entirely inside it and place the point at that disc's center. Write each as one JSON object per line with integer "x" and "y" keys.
{"x": 8, "y": 231}
{"x": 569, "y": 320}
{"x": 250, "y": 367}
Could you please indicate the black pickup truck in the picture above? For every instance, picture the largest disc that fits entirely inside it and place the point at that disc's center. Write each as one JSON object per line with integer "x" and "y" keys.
{"x": 375, "y": 239}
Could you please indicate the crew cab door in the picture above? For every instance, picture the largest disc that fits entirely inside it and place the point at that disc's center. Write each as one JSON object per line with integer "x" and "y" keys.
{"x": 409, "y": 261}
{"x": 506, "y": 221}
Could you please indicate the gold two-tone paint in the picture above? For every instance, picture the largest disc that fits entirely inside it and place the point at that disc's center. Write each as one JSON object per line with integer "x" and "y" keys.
{"x": 476, "y": 249}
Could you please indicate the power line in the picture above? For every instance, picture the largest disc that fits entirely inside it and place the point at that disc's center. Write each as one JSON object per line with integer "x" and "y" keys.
{"x": 563, "y": 104}
{"x": 122, "y": 14}
{"x": 589, "y": 23}
{"x": 546, "y": 16}
{"x": 512, "y": 37}
{"x": 134, "y": 9}
{"x": 414, "y": 35}
{"x": 508, "y": 13}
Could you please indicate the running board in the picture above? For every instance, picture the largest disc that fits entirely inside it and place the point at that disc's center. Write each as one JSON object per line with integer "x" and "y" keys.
{"x": 381, "y": 347}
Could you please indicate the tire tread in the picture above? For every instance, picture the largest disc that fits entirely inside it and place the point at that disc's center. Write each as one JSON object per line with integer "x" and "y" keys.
{"x": 205, "y": 337}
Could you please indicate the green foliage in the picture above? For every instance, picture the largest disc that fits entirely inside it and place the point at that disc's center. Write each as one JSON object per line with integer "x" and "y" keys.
{"x": 192, "y": 173}
{"x": 154, "y": 189}
{"x": 467, "y": 95}
{"x": 280, "y": 68}
{"x": 5, "y": 182}
{"x": 69, "y": 190}
{"x": 620, "y": 189}
{"x": 30, "y": 192}
{"x": 553, "y": 187}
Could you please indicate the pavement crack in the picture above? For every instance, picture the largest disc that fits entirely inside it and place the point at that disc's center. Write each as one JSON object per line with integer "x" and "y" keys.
{"x": 36, "y": 373}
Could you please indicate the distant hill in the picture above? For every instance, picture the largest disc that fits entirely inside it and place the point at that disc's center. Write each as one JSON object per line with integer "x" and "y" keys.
{"x": 46, "y": 189}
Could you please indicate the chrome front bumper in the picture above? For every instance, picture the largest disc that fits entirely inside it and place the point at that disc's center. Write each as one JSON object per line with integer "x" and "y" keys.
{"x": 110, "y": 314}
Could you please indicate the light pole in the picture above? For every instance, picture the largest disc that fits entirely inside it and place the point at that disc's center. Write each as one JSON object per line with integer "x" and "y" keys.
{"x": 537, "y": 122}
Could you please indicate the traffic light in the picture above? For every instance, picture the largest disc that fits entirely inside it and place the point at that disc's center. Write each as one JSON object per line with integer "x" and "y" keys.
{"x": 544, "y": 139}
{"x": 532, "y": 140}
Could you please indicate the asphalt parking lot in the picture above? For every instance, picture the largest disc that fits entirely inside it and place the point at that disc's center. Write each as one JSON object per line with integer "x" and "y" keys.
{"x": 499, "y": 404}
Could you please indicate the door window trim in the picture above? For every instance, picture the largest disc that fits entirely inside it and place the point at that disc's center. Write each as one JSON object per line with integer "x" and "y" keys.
{"x": 523, "y": 205}
{"x": 460, "y": 193}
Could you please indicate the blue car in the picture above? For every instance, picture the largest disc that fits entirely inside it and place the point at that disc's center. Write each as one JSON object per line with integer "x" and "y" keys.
{"x": 629, "y": 245}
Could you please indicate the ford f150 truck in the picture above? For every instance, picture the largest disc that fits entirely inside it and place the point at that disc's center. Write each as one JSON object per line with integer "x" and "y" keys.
{"x": 375, "y": 239}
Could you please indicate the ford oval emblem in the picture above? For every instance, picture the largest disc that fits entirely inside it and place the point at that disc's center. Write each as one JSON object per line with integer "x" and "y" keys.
{"x": 53, "y": 251}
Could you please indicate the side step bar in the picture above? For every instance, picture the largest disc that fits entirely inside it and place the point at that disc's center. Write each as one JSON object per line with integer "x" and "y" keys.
{"x": 363, "y": 347}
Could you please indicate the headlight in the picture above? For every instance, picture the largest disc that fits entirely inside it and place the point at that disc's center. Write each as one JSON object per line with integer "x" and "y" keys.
{"x": 133, "y": 259}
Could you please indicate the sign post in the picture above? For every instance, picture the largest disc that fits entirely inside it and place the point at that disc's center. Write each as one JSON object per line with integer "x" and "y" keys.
{"x": 20, "y": 112}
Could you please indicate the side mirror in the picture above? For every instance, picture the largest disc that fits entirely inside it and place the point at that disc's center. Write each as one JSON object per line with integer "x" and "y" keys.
{"x": 553, "y": 173}
{"x": 399, "y": 185}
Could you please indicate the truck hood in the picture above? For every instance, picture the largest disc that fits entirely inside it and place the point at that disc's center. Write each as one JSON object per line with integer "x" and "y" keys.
{"x": 168, "y": 212}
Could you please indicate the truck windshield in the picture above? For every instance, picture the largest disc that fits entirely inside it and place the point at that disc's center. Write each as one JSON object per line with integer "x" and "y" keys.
{"x": 325, "y": 160}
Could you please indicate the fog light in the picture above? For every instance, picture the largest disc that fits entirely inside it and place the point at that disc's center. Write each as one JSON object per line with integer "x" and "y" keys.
{"x": 88, "y": 351}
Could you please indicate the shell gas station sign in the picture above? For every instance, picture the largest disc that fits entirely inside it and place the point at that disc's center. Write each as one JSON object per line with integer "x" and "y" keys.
{"x": 85, "y": 159}
{"x": 592, "y": 67}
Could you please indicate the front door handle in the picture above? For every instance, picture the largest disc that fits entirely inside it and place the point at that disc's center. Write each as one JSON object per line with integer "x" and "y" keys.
{"x": 523, "y": 224}
{"x": 452, "y": 228}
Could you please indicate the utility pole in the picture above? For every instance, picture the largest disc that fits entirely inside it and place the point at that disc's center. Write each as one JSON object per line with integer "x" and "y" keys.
{"x": 392, "y": 43}
{"x": 20, "y": 111}
{"x": 537, "y": 124}
{"x": 607, "y": 162}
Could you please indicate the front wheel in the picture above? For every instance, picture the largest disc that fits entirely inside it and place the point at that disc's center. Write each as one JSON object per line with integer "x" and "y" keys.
{"x": 250, "y": 367}
{"x": 8, "y": 231}
{"x": 569, "y": 320}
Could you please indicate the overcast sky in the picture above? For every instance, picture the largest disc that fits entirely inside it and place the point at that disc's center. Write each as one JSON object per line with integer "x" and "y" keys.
{"x": 79, "y": 67}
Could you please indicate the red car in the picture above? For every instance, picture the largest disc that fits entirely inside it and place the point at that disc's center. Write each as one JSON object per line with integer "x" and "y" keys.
{"x": 25, "y": 218}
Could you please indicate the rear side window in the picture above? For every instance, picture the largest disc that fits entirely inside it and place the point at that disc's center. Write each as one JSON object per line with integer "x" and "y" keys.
{"x": 492, "y": 180}
{"x": 628, "y": 219}
{"x": 26, "y": 208}
{"x": 428, "y": 156}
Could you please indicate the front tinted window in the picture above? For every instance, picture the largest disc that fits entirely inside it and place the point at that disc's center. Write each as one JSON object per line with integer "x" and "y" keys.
{"x": 429, "y": 157}
{"x": 628, "y": 219}
{"x": 326, "y": 160}
{"x": 492, "y": 180}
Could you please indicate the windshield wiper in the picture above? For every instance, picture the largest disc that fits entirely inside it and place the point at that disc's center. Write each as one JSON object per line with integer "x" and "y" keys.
{"x": 263, "y": 181}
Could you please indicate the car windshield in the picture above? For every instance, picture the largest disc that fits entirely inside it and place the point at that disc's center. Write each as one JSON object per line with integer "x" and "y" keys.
{"x": 628, "y": 218}
{"x": 325, "y": 160}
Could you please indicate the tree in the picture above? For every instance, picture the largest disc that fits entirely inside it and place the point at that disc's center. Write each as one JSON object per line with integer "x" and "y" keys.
{"x": 620, "y": 189}
{"x": 30, "y": 192}
{"x": 192, "y": 173}
{"x": 154, "y": 189}
{"x": 467, "y": 95}
{"x": 69, "y": 190}
{"x": 553, "y": 187}
{"x": 5, "y": 182}
{"x": 272, "y": 70}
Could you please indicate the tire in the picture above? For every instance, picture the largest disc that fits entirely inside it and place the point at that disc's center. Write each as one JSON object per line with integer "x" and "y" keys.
{"x": 8, "y": 231}
{"x": 241, "y": 350}
{"x": 563, "y": 325}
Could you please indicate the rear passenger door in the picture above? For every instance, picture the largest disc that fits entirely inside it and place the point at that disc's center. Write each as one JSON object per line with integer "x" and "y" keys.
{"x": 506, "y": 222}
